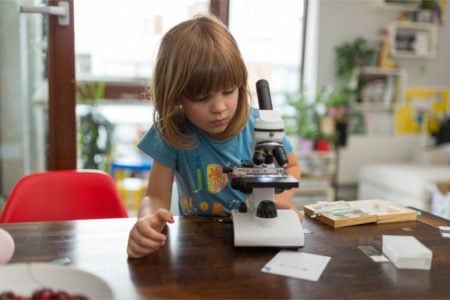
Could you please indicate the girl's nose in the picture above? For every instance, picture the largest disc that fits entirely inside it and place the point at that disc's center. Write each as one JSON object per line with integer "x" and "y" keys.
{"x": 218, "y": 104}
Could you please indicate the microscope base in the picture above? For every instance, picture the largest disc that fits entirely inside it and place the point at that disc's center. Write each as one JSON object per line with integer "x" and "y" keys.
{"x": 284, "y": 231}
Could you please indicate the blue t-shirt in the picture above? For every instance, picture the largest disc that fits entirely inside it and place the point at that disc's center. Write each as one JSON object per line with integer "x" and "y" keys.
{"x": 202, "y": 187}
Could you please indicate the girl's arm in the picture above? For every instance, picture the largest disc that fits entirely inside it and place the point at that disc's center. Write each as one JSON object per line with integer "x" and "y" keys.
{"x": 146, "y": 235}
{"x": 159, "y": 190}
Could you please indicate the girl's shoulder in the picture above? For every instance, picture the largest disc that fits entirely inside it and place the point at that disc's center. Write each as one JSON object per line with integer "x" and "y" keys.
{"x": 254, "y": 114}
{"x": 153, "y": 139}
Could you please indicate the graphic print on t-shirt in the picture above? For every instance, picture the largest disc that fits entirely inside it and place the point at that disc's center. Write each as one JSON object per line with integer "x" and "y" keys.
{"x": 215, "y": 178}
{"x": 186, "y": 203}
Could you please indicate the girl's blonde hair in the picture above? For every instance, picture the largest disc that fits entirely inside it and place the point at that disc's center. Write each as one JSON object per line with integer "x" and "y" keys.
{"x": 197, "y": 57}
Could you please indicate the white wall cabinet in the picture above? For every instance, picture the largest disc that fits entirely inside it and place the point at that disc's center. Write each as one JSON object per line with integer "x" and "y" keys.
{"x": 412, "y": 39}
{"x": 399, "y": 5}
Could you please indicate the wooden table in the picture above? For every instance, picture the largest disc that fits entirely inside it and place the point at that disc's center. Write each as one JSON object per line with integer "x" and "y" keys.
{"x": 200, "y": 261}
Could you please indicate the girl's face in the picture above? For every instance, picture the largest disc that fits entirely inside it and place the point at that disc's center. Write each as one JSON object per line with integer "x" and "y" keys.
{"x": 212, "y": 113}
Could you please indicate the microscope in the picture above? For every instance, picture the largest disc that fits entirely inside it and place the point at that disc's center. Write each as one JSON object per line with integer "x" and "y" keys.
{"x": 262, "y": 224}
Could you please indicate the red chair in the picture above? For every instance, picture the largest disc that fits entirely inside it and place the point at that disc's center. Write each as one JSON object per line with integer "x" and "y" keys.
{"x": 63, "y": 195}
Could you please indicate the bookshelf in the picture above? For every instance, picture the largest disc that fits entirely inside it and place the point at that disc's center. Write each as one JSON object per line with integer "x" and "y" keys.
{"x": 379, "y": 89}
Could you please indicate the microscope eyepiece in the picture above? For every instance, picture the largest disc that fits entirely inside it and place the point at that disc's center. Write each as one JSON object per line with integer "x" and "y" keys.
{"x": 263, "y": 93}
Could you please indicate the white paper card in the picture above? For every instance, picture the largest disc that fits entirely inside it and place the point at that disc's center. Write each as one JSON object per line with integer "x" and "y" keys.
{"x": 297, "y": 264}
{"x": 445, "y": 231}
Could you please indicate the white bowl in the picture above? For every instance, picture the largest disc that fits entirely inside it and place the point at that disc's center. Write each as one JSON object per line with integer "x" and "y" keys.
{"x": 25, "y": 278}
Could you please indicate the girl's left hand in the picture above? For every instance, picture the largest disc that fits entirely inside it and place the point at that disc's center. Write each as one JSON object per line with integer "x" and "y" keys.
{"x": 288, "y": 205}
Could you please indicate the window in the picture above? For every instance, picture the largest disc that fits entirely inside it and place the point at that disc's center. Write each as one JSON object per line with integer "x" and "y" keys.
{"x": 120, "y": 39}
{"x": 116, "y": 43}
{"x": 269, "y": 34}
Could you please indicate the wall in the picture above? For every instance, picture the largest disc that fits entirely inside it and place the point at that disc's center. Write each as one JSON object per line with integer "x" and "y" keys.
{"x": 344, "y": 20}
{"x": 333, "y": 22}
{"x": 362, "y": 150}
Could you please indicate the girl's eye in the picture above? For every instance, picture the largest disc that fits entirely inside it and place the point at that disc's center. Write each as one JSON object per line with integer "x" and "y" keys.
{"x": 202, "y": 98}
{"x": 228, "y": 92}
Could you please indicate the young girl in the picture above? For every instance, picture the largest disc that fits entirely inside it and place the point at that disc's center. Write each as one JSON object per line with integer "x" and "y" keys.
{"x": 203, "y": 121}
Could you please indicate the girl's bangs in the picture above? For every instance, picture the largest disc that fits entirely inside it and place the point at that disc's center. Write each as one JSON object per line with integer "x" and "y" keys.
{"x": 213, "y": 72}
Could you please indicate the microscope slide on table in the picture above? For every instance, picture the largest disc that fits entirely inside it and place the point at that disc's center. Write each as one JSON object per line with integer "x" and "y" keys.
{"x": 261, "y": 224}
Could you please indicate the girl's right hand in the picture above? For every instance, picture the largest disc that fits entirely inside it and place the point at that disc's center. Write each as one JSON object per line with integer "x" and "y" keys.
{"x": 146, "y": 235}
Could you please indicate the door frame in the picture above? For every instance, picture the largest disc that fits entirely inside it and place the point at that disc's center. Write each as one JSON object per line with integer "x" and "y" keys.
{"x": 62, "y": 142}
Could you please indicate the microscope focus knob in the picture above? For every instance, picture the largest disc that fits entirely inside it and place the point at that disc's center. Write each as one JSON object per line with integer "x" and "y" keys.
{"x": 266, "y": 209}
{"x": 240, "y": 184}
{"x": 242, "y": 208}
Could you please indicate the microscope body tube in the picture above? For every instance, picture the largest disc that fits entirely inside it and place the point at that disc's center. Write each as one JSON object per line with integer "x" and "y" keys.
{"x": 268, "y": 130}
{"x": 263, "y": 93}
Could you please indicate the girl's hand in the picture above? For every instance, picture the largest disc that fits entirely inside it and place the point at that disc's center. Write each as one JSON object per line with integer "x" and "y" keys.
{"x": 289, "y": 205}
{"x": 146, "y": 235}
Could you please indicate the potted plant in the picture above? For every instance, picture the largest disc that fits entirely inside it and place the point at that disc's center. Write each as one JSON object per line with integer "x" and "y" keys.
{"x": 349, "y": 56}
{"x": 95, "y": 131}
{"x": 354, "y": 54}
{"x": 338, "y": 109}
{"x": 303, "y": 122}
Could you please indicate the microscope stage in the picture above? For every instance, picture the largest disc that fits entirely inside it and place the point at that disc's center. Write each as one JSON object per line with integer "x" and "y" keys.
{"x": 270, "y": 181}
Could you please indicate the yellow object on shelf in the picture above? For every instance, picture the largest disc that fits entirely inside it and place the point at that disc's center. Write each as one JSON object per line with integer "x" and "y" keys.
{"x": 384, "y": 60}
{"x": 131, "y": 175}
{"x": 132, "y": 190}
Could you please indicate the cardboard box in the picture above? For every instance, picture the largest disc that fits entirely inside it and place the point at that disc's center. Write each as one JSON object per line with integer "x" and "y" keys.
{"x": 406, "y": 252}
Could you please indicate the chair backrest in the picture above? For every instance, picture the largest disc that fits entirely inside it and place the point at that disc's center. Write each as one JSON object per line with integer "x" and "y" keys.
{"x": 63, "y": 195}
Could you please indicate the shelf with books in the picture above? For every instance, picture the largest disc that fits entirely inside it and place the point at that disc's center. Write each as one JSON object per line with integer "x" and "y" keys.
{"x": 379, "y": 89}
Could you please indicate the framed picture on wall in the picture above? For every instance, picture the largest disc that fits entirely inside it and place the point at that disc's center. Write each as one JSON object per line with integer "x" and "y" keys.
{"x": 422, "y": 110}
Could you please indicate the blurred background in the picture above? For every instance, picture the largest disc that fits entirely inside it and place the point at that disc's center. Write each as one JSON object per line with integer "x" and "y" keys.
{"x": 362, "y": 86}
